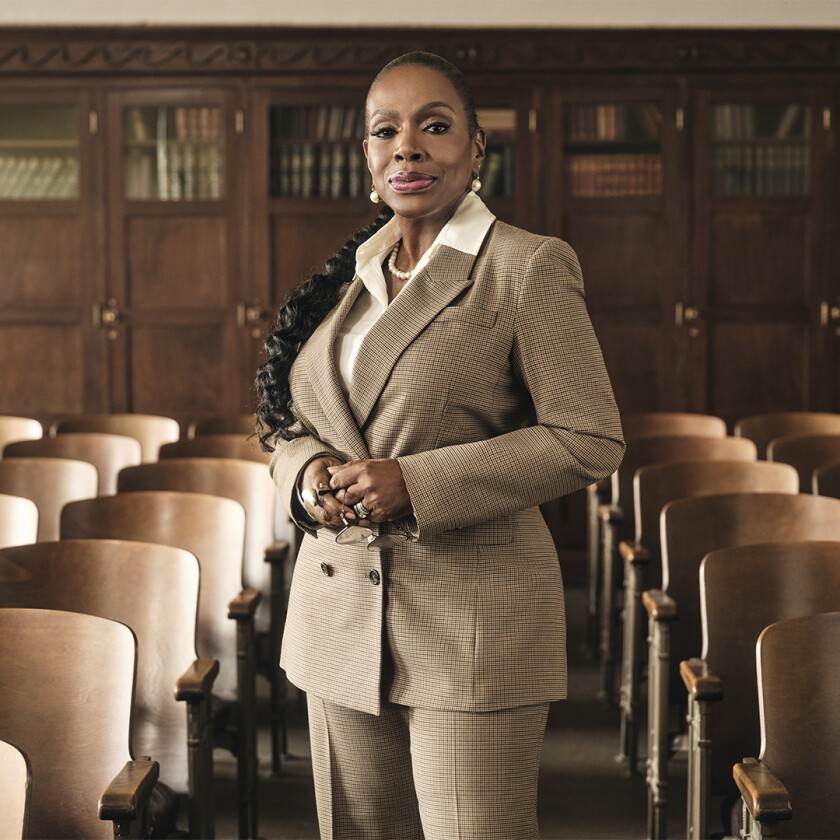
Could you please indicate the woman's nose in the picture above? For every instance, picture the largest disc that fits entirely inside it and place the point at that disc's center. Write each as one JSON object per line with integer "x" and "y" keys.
{"x": 408, "y": 149}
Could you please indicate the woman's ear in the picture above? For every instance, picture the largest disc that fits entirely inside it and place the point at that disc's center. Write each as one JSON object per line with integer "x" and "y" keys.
{"x": 480, "y": 142}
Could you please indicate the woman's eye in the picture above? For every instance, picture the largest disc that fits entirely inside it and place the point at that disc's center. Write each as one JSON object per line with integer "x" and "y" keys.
{"x": 382, "y": 131}
{"x": 437, "y": 127}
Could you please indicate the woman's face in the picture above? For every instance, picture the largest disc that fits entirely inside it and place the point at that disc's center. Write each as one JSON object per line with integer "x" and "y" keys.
{"x": 419, "y": 150}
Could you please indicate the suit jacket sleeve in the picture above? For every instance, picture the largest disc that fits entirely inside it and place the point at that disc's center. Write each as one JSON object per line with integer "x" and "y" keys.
{"x": 289, "y": 458}
{"x": 577, "y": 435}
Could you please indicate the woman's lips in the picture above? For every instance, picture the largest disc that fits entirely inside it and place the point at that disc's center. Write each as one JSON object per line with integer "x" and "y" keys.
{"x": 408, "y": 182}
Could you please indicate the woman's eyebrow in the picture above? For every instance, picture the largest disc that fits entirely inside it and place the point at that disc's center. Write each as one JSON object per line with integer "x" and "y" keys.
{"x": 429, "y": 106}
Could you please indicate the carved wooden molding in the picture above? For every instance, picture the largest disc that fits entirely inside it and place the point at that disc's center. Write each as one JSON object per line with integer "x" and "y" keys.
{"x": 144, "y": 50}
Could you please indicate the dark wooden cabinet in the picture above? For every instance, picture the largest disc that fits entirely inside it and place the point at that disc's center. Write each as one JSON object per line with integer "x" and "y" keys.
{"x": 162, "y": 190}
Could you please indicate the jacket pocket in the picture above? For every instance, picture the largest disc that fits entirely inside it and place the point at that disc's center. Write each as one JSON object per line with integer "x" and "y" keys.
{"x": 498, "y": 532}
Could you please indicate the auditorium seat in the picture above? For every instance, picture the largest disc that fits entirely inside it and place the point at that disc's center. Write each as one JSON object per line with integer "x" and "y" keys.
{"x": 18, "y": 520}
{"x": 806, "y": 453}
{"x": 151, "y": 430}
{"x": 15, "y": 783}
{"x": 762, "y": 428}
{"x": 243, "y": 425}
{"x": 14, "y": 428}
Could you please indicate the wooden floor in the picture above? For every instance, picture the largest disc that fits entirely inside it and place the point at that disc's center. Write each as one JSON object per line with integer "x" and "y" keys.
{"x": 584, "y": 792}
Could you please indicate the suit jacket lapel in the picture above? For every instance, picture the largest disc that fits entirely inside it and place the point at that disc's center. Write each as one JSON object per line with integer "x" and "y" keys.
{"x": 444, "y": 278}
{"x": 324, "y": 376}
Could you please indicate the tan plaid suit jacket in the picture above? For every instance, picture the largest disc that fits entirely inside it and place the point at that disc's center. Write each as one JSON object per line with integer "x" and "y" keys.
{"x": 485, "y": 379}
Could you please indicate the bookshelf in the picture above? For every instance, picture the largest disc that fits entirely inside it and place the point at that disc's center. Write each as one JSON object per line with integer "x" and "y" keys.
{"x": 761, "y": 149}
{"x": 39, "y": 152}
{"x": 173, "y": 153}
{"x": 613, "y": 149}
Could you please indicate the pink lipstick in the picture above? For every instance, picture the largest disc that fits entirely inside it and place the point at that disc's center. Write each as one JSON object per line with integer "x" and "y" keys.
{"x": 409, "y": 182}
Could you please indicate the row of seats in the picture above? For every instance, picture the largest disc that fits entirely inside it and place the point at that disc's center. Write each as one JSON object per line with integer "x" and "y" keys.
{"x": 693, "y": 515}
{"x": 177, "y": 552}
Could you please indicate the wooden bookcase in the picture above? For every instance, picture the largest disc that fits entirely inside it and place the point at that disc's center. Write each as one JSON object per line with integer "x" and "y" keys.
{"x": 161, "y": 190}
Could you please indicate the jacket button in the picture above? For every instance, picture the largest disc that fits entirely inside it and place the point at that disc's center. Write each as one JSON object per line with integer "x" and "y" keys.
{"x": 327, "y": 569}
{"x": 374, "y": 577}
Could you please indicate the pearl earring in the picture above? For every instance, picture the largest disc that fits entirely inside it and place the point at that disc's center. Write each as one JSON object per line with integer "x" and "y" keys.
{"x": 374, "y": 195}
{"x": 476, "y": 184}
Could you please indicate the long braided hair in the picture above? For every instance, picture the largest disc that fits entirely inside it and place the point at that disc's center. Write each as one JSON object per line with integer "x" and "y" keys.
{"x": 308, "y": 304}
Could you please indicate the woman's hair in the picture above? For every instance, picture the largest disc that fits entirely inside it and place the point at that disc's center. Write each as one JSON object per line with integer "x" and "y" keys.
{"x": 308, "y": 304}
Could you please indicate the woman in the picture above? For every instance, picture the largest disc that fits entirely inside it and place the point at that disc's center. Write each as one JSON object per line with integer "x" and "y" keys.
{"x": 425, "y": 395}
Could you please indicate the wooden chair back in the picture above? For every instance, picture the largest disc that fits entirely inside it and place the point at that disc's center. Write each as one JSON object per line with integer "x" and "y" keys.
{"x": 246, "y": 482}
{"x": 762, "y": 428}
{"x": 109, "y": 453}
{"x": 18, "y": 521}
{"x": 153, "y": 589}
{"x": 806, "y": 453}
{"x": 826, "y": 480}
{"x": 742, "y": 590}
{"x": 216, "y": 446}
{"x": 657, "y": 484}
{"x": 18, "y": 428}
{"x": 15, "y": 781}
{"x": 210, "y": 527}
{"x": 242, "y": 425}
{"x": 669, "y": 423}
{"x": 655, "y": 450}
{"x": 799, "y": 687}
{"x": 149, "y": 429}
{"x": 66, "y": 689}
{"x": 50, "y": 483}
{"x": 693, "y": 527}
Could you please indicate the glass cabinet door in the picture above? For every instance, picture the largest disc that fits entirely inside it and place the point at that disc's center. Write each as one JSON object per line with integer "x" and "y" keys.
{"x": 499, "y": 168}
{"x": 316, "y": 151}
{"x": 613, "y": 149}
{"x": 39, "y": 152}
{"x": 760, "y": 148}
{"x": 173, "y": 153}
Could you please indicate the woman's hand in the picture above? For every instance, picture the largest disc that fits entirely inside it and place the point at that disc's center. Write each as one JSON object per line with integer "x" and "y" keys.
{"x": 328, "y": 512}
{"x": 377, "y": 483}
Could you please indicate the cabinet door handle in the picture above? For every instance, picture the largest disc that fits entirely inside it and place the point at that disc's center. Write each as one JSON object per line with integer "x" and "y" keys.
{"x": 684, "y": 314}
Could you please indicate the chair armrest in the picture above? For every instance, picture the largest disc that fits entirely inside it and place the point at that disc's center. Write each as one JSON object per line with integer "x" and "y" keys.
{"x": 633, "y": 552}
{"x": 764, "y": 795}
{"x": 128, "y": 793}
{"x": 659, "y": 605}
{"x": 276, "y": 552}
{"x": 609, "y": 514}
{"x": 196, "y": 682}
{"x": 244, "y": 605}
{"x": 700, "y": 681}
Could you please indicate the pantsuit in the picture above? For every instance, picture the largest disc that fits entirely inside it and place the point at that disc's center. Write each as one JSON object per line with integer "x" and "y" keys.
{"x": 484, "y": 380}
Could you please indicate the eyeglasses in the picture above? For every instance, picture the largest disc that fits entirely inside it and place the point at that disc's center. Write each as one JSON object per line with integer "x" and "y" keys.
{"x": 359, "y": 535}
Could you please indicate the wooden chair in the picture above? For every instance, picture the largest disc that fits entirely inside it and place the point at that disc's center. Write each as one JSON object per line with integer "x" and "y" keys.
{"x": 742, "y": 590}
{"x": 152, "y": 431}
{"x": 66, "y": 691}
{"x": 50, "y": 483}
{"x": 635, "y": 426}
{"x": 216, "y": 446}
{"x": 213, "y": 529}
{"x": 153, "y": 589}
{"x": 826, "y": 480}
{"x": 15, "y": 782}
{"x": 791, "y": 790}
{"x": 691, "y": 528}
{"x": 18, "y": 428}
{"x": 109, "y": 453}
{"x": 617, "y": 520}
{"x": 762, "y": 428}
{"x": 653, "y": 487}
{"x": 18, "y": 521}
{"x": 242, "y": 425}
{"x": 248, "y": 483}
{"x": 806, "y": 453}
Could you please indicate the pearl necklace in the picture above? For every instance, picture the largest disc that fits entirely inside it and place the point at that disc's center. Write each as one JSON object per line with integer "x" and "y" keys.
{"x": 392, "y": 264}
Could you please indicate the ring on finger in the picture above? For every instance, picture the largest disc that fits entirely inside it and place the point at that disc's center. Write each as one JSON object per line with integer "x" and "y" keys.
{"x": 361, "y": 511}
{"x": 310, "y": 496}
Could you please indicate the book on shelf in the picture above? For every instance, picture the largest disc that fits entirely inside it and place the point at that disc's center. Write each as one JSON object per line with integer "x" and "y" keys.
{"x": 42, "y": 176}
{"x": 614, "y": 175}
